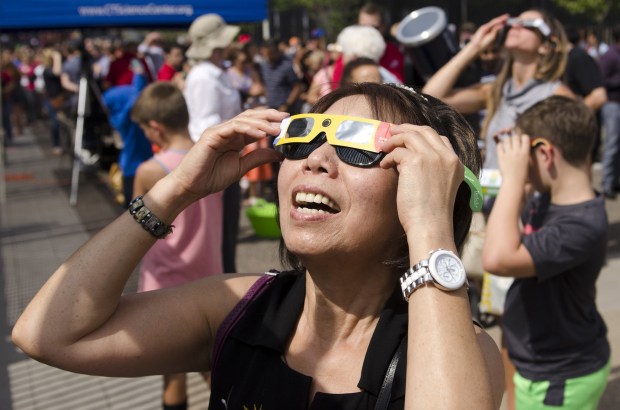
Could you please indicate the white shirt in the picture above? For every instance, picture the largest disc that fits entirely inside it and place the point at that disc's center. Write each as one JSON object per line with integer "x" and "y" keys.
{"x": 210, "y": 96}
{"x": 388, "y": 77}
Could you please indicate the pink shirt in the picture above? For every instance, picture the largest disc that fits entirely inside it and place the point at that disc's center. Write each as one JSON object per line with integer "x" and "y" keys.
{"x": 194, "y": 249}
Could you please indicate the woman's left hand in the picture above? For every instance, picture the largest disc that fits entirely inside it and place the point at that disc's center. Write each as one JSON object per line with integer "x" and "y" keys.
{"x": 430, "y": 174}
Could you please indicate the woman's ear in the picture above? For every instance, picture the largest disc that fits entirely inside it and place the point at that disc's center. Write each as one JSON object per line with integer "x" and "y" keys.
{"x": 548, "y": 46}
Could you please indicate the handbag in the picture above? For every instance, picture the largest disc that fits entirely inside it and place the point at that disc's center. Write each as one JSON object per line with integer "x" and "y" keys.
{"x": 57, "y": 101}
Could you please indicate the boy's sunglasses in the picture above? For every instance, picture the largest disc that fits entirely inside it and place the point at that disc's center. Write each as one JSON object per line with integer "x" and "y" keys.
{"x": 534, "y": 142}
{"x": 357, "y": 141}
{"x": 537, "y": 142}
{"x": 531, "y": 24}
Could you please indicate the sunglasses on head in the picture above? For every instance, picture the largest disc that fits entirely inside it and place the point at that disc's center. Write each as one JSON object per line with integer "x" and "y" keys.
{"x": 537, "y": 24}
{"x": 357, "y": 141}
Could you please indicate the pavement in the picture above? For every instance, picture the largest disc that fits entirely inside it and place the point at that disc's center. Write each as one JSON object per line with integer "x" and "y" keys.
{"x": 39, "y": 229}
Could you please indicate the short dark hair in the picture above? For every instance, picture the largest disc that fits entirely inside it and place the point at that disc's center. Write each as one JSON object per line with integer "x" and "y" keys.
{"x": 373, "y": 9}
{"x": 615, "y": 34}
{"x": 572, "y": 33}
{"x": 168, "y": 47}
{"x": 272, "y": 43}
{"x": 164, "y": 103}
{"x": 398, "y": 105}
{"x": 467, "y": 27}
{"x": 568, "y": 124}
{"x": 353, "y": 64}
{"x": 73, "y": 45}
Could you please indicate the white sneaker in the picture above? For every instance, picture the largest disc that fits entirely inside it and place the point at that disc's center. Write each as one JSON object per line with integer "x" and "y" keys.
{"x": 88, "y": 158}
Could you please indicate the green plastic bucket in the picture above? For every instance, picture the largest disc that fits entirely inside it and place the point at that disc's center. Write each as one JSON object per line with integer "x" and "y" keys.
{"x": 262, "y": 216}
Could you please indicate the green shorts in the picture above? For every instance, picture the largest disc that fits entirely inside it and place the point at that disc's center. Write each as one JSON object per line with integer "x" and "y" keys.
{"x": 580, "y": 393}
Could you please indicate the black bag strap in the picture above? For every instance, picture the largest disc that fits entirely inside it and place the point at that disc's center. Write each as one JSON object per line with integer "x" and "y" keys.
{"x": 235, "y": 315}
{"x": 383, "y": 401}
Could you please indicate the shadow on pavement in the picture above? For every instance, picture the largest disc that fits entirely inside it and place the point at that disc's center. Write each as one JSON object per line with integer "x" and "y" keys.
{"x": 611, "y": 397}
{"x": 613, "y": 243}
{"x": 8, "y": 352}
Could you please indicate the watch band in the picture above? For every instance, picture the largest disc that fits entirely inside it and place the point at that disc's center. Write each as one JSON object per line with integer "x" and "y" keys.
{"x": 415, "y": 277}
{"x": 420, "y": 274}
{"x": 151, "y": 223}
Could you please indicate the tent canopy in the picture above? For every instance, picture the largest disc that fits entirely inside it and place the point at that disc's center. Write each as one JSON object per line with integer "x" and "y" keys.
{"x": 48, "y": 14}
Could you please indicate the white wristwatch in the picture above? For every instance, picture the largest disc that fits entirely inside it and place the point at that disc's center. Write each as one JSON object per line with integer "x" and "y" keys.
{"x": 443, "y": 268}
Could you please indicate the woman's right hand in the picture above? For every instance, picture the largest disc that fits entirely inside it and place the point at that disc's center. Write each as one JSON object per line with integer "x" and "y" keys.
{"x": 488, "y": 32}
{"x": 215, "y": 161}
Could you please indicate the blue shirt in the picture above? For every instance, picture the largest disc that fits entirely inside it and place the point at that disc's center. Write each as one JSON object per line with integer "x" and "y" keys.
{"x": 136, "y": 148}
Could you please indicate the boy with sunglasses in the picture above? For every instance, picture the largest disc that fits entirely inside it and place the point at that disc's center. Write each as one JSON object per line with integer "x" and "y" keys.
{"x": 553, "y": 332}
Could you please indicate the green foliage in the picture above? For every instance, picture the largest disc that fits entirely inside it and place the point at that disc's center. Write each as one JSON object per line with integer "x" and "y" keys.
{"x": 331, "y": 15}
{"x": 595, "y": 9}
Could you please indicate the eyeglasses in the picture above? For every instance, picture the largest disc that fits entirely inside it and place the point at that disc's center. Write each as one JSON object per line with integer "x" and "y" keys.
{"x": 357, "y": 141}
{"x": 535, "y": 24}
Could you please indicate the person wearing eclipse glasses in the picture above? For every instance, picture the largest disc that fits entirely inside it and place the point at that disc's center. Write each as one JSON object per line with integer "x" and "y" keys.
{"x": 535, "y": 50}
{"x": 376, "y": 191}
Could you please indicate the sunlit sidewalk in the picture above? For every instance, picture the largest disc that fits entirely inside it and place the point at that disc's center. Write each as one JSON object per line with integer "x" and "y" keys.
{"x": 38, "y": 230}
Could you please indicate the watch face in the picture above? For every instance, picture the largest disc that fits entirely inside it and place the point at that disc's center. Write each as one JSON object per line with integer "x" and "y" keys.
{"x": 447, "y": 270}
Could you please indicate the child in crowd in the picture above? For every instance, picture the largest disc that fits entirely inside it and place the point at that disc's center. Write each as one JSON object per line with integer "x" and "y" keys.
{"x": 553, "y": 332}
{"x": 119, "y": 101}
{"x": 195, "y": 249}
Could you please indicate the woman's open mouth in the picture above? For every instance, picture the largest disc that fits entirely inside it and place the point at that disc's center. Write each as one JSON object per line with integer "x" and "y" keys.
{"x": 311, "y": 203}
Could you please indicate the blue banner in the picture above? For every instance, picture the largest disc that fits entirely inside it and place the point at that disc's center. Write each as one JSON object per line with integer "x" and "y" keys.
{"x": 34, "y": 14}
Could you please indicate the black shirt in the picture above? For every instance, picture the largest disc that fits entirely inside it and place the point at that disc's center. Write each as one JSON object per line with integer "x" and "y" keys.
{"x": 250, "y": 370}
{"x": 552, "y": 327}
{"x": 53, "y": 86}
{"x": 582, "y": 72}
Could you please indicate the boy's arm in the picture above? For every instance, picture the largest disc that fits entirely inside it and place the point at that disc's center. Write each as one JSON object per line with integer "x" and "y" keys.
{"x": 504, "y": 254}
{"x": 147, "y": 174}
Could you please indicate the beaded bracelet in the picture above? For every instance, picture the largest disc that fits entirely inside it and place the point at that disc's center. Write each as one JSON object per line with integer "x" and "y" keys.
{"x": 148, "y": 220}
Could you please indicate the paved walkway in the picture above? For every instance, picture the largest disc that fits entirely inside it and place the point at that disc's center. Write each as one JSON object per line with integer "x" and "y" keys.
{"x": 39, "y": 229}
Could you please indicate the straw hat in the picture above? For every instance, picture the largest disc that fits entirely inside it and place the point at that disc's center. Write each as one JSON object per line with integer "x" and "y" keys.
{"x": 207, "y": 33}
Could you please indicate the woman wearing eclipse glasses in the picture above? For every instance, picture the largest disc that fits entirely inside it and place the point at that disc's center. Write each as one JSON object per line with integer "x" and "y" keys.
{"x": 373, "y": 313}
{"x": 535, "y": 52}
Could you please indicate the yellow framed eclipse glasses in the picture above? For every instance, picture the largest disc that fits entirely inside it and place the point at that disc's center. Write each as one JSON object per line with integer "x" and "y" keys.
{"x": 357, "y": 141}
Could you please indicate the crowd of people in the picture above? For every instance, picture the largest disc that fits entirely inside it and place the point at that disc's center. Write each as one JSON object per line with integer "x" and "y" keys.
{"x": 366, "y": 221}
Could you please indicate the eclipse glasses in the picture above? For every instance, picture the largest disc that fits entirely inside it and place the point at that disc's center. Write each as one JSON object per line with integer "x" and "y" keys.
{"x": 357, "y": 141}
{"x": 537, "y": 24}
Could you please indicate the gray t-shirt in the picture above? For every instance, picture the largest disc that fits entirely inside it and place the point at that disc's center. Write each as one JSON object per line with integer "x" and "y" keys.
{"x": 514, "y": 101}
{"x": 552, "y": 327}
{"x": 279, "y": 80}
{"x": 72, "y": 67}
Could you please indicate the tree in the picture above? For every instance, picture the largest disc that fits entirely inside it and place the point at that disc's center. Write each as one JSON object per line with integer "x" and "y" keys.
{"x": 331, "y": 15}
{"x": 597, "y": 10}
